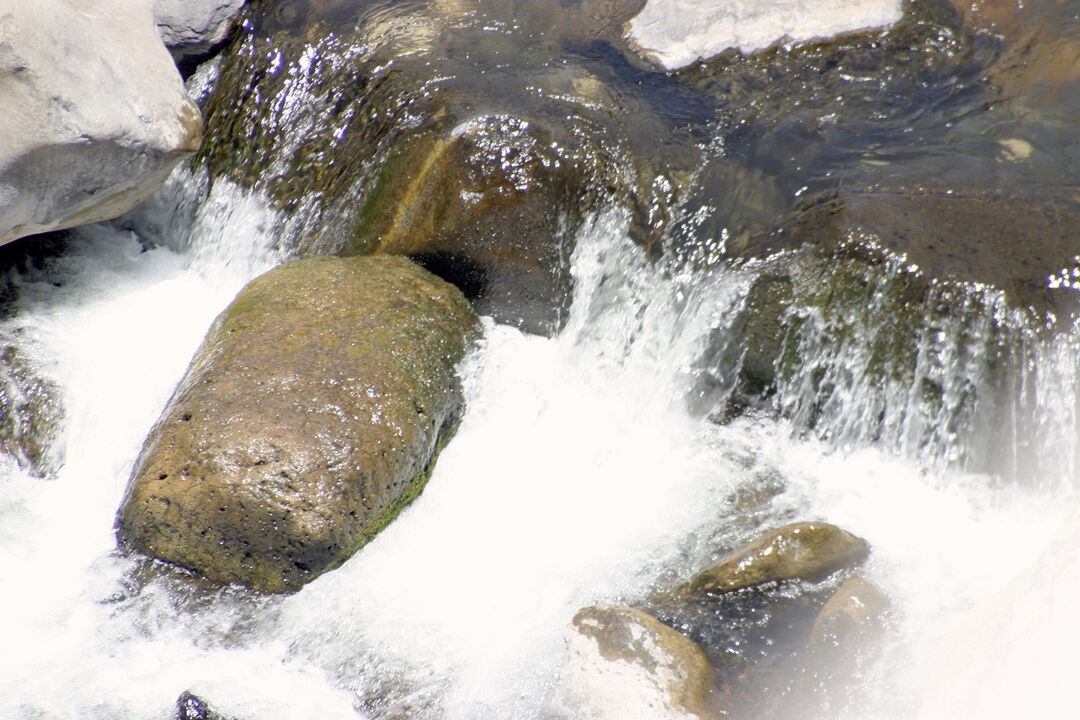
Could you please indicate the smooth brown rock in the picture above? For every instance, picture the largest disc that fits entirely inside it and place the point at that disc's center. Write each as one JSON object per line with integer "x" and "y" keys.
{"x": 803, "y": 551}
{"x": 312, "y": 413}
{"x": 843, "y": 645}
{"x": 484, "y": 208}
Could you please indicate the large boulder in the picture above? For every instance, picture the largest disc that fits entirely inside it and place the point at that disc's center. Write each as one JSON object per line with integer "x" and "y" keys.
{"x": 310, "y": 416}
{"x": 401, "y": 148}
{"x": 95, "y": 115}
{"x": 626, "y": 664}
{"x": 193, "y": 28}
{"x": 808, "y": 551}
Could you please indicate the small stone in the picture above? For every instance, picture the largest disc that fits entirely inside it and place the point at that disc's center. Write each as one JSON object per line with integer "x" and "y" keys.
{"x": 192, "y": 707}
{"x": 804, "y": 551}
{"x": 625, "y": 663}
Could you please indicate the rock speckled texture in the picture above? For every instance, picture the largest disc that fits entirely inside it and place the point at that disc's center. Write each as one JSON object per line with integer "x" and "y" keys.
{"x": 309, "y": 417}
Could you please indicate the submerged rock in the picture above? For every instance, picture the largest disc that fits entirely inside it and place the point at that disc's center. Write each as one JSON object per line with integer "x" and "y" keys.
{"x": 310, "y": 416}
{"x": 191, "y": 29}
{"x": 844, "y": 642}
{"x": 852, "y": 615}
{"x": 803, "y": 551}
{"x": 95, "y": 114}
{"x": 626, "y": 664}
{"x": 30, "y": 413}
{"x": 869, "y": 315}
{"x": 192, "y": 707}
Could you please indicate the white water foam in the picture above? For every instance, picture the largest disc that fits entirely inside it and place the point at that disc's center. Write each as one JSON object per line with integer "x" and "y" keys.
{"x": 114, "y": 325}
{"x": 576, "y": 477}
{"x": 679, "y": 32}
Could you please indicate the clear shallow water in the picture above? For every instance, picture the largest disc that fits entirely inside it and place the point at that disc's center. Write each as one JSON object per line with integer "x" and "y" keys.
{"x": 577, "y": 476}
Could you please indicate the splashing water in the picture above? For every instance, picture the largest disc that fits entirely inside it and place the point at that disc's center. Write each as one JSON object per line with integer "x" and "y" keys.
{"x": 577, "y": 476}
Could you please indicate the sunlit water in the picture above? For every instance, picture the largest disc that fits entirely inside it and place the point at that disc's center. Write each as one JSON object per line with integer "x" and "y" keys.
{"x": 577, "y": 476}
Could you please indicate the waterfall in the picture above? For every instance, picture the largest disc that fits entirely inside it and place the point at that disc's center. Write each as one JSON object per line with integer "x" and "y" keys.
{"x": 607, "y": 464}
{"x": 578, "y": 475}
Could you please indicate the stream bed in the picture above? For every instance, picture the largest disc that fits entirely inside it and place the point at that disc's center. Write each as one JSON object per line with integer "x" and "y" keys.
{"x": 610, "y": 450}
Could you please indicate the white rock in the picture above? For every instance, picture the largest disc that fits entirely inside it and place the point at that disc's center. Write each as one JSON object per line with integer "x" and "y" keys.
{"x": 95, "y": 114}
{"x": 676, "y": 33}
{"x": 190, "y": 28}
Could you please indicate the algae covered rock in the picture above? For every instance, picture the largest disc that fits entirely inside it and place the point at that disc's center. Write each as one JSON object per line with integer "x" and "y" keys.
{"x": 803, "y": 551}
{"x": 1011, "y": 242}
{"x": 400, "y": 148}
{"x": 311, "y": 414}
{"x": 488, "y": 208}
{"x": 625, "y": 663}
{"x": 29, "y": 413}
{"x": 192, "y": 707}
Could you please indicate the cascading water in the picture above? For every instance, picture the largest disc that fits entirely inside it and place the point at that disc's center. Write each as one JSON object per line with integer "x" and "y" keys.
{"x": 577, "y": 476}
{"x": 597, "y": 466}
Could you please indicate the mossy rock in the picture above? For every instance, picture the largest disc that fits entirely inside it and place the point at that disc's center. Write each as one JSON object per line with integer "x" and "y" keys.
{"x": 670, "y": 673}
{"x": 491, "y": 208}
{"x": 30, "y": 413}
{"x": 416, "y": 138}
{"x": 868, "y": 314}
{"x": 310, "y": 416}
{"x": 809, "y": 551}
{"x": 1011, "y": 243}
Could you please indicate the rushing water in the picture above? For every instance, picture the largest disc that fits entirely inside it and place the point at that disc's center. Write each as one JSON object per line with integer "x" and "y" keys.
{"x": 589, "y": 467}
{"x": 577, "y": 476}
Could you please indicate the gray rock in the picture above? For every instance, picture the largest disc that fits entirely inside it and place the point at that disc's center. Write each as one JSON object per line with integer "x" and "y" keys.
{"x": 193, "y": 28}
{"x": 95, "y": 115}
{"x": 676, "y": 33}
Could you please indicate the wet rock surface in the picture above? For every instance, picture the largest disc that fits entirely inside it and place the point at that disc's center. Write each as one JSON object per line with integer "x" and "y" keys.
{"x": 192, "y": 29}
{"x": 803, "y": 551}
{"x": 417, "y": 139}
{"x": 96, "y": 114}
{"x": 312, "y": 413}
{"x": 192, "y": 707}
{"x": 30, "y": 413}
{"x": 482, "y": 209}
{"x": 626, "y": 663}
{"x": 1015, "y": 244}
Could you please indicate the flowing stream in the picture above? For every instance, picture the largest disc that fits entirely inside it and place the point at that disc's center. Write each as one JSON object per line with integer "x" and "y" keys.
{"x": 577, "y": 476}
{"x": 588, "y": 468}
